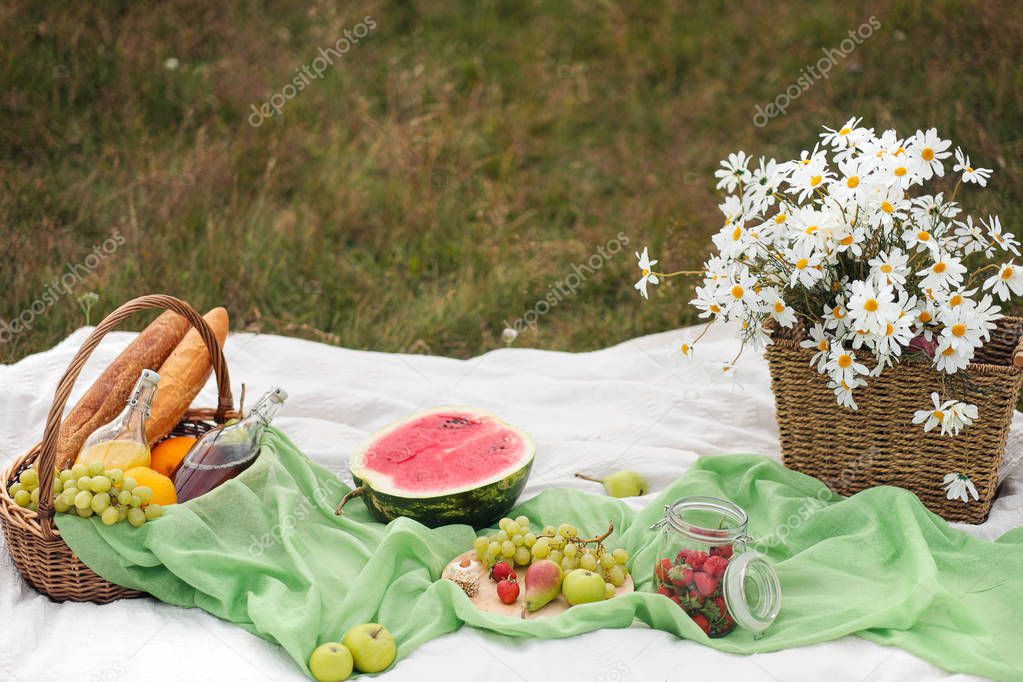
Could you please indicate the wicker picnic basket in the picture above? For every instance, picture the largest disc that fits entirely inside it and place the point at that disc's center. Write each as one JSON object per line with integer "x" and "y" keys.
{"x": 36, "y": 547}
{"x": 879, "y": 444}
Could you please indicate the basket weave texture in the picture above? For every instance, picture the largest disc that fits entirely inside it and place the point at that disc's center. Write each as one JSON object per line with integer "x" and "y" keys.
{"x": 34, "y": 542}
{"x": 878, "y": 444}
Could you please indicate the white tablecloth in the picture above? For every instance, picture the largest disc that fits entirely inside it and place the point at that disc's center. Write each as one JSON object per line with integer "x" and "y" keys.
{"x": 636, "y": 405}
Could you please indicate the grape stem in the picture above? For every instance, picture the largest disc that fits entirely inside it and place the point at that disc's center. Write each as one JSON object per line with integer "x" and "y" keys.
{"x": 580, "y": 541}
{"x": 355, "y": 492}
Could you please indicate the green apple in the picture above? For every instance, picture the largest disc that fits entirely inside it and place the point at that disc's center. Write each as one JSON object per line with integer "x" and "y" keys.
{"x": 331, "y": 662}
{"x": 581, "y": 587}
{"x": 372, "y": 647}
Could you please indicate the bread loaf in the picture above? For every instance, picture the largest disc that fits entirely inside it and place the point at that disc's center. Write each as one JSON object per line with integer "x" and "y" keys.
{"x": 107, "y": 396}
{"x": 182, "y": 376}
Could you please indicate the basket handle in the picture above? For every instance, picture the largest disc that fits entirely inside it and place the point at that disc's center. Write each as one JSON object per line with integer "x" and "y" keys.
{"x": 48, "y": 448}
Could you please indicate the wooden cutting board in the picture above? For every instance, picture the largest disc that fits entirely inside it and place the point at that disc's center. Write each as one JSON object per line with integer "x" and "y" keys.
{"x": 487, "y": 600}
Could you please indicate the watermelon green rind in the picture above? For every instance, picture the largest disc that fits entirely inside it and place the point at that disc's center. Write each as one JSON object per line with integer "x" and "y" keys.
{"x": 478, "y": 504}
{"x": 479, "y": 508}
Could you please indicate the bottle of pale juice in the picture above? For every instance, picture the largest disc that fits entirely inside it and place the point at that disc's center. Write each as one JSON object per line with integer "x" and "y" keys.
{"x": 122, "y": 443}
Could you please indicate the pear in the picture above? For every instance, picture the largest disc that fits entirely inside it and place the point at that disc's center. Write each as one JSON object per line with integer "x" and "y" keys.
{"x": 622, "y": 483}
{"x": 543, "y": 584}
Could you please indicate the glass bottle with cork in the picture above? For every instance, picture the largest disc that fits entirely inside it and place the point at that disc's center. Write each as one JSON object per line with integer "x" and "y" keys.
{"x": 224, "y": 452}
{"x": 121, "y": 444}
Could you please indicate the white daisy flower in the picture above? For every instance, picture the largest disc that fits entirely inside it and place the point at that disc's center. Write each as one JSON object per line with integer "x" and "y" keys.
{"x": 806, "y": 265}
{"x": 945, "y": 273}
{"x": 957, "y": 485}
{"x": 970, "y": 174}
{"x": 707, "y": 301}
{"x": 962, "y": 331}
{"x": 846, "y": 136}
{"x": 1006, "y": 240}
{"x": 970, "y": 238}
{"x": 819, "y": 342}
{"x": 844, "y": 394}
{"x": 776, "y": 307}
{"x": 809, "y": 174}
{"x": 949, "y": 358}
{"x": 1007, "y": 282}
{"x": 871, "y": 308}
{"x": 920, "y": 239}
{"x": 889, "y": 268}
{"x": 733, "y": 171}
{"x": 895, "y": 171}
{"x": 741, "y": 292}
{"x": 836, "y": 317}
{"x": 842, "y": 366}
{"x": 926, "y": 150}
{"x": 932, "y": 210}
{"x": 646, "y": 267}
{"x": 952, "y": 415}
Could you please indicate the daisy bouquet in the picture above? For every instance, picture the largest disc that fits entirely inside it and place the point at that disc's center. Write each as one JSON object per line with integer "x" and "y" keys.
{"x": 844, "y": 247}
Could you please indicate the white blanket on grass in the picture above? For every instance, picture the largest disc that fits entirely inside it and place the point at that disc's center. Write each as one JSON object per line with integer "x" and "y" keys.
{"x": 635, "y": 405}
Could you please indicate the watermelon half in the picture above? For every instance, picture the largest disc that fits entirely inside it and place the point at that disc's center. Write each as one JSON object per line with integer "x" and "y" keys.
{"x": 443, "y": 466}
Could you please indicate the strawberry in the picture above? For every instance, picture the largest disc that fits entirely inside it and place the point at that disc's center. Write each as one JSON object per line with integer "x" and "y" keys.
{"x": 683, "y": 554}
{"x": 687, "y": 576}
{"x": 696, "y": 596}
{"x": 666, "y": 591}
{"x": 661, "y": 571}
{"x": 508, "y": 590}
{"x": 722, "y": 551}
{"x": 676, "y": 576}
{"x": 701, "y": 620}
{"x": 696, "y": 559}
{"x": 719, "y": 601}
{"x": 715, "y": 565}
{"x": 501, "y": 571}
{"x": 706, "y": 584}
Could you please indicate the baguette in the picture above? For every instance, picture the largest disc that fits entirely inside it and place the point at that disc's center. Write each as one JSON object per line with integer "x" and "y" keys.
{"x": 106, "y": 397}
{"x": 182, "y": 376}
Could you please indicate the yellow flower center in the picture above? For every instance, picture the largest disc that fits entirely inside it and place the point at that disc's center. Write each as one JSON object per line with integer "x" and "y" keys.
{"x": 846, "y": 241}
{"x": 685, "y": 349}
{"x": 779, "y": 307}
{"x": 811, "y": 229}
{"x": 927, "y": 154}
{"x": 844, "y": 131}
{"x": 737, "y": 291}
{"x": 844, "y": 360}
{"x": 736, "y": 233}
{"x": 969, "y": 170}
{"x": 955, "y": 300}
{"x": 938, "y": 268}
{"x": 889, "y": 330}
{"x": 938, "y": 414}
{"x": 948, "y": 351}
{"x": 886, "y": 269}
{"x": 780, "y": 218}
{"x": 923, "y": 236}
{"x": 900, "y": 171}
{"x": 714, "y": 308}
{"x": 1007, "y": 273}
{"x": 804, "y": 161}
{"x": 815, "y": 180}
{"x": 801, "y": 264}
{"x": 837, "y": 313}
{"x": 925, "y": 316}
{"x": 900, "y": 150}
{"x": 852, "y": 182}
{"x": 822, "y": 345}
{"x": 870, "y": 305}
{"x": 958, "y": 329}
{"x": 646, "y": 272}
{"x": 886, "y": 207}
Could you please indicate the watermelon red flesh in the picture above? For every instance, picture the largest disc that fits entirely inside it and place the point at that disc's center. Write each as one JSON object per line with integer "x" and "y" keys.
{"x": 445, "y": 466}
{"x": 442, "y": 452}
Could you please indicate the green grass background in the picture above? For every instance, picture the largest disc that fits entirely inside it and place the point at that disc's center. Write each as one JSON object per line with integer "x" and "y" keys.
{"x": 454, "y": 164}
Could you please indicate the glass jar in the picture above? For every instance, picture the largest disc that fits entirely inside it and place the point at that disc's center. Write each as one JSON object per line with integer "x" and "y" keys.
{"x": 704, "y": 565}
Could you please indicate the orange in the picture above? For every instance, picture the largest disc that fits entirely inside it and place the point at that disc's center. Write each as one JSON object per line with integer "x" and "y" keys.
{"x": 162, "y": 487}
{"x": 168, "y": 454}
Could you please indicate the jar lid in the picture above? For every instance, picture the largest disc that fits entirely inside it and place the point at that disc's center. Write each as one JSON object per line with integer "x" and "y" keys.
{"x": 752, "y": 591}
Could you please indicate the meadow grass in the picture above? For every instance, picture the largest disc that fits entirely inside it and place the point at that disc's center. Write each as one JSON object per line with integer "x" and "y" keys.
{"x": 454, "y": 164}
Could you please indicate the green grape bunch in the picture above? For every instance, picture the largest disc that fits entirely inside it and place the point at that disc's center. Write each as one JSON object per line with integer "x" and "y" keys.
{"x": 516, "y": 543}
{"x": 90, "y": 491}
